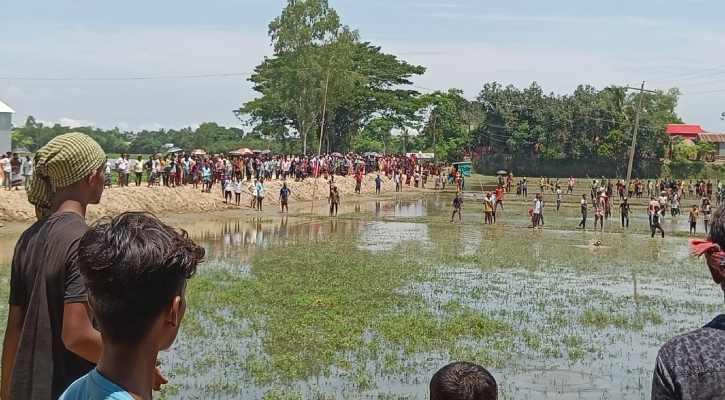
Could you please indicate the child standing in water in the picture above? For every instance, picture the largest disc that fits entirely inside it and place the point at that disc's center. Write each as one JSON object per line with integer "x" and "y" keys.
{"x": 457, "y": 204}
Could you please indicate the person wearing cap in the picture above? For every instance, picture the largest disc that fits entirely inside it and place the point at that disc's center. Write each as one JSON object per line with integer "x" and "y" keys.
{"x": 624, "y": 210}
{"x": 692, "y": 365}
{"x": 49, "y": 339}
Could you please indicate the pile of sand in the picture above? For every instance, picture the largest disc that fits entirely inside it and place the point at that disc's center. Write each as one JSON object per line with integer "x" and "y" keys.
{"x": 14, "y": 206}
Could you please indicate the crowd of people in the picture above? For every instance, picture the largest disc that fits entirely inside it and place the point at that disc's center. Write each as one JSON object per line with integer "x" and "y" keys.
{"x": 90, "y": 308}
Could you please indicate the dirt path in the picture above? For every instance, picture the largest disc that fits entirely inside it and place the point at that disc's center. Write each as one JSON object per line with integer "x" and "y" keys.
{"x": 183, "y": 203}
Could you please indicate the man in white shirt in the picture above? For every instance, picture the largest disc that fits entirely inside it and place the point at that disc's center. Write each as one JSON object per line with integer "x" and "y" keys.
{"x": 7, "y": 169}
{"x": 663, "y": 202}
{"x": 537, "y": 211}
{"x": 558, "y": 197}
{"x": 27, "y": 171}
{"x": 121, "y": 169}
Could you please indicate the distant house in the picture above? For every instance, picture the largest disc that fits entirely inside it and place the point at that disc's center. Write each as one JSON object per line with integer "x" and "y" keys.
{"x": 718, "y": 139}
{"x": 6, "y": 124}
{"x": 688, "y": 132}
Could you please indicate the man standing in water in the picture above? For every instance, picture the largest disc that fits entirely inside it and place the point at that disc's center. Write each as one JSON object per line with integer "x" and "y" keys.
{"x": 656, "y": 217}
{"x": 584, "y": 209}
{"x": 457, "y": 205}
{"x": 260, "y": 193}
{"x": 49, "y": 339}
{"x": 558, "y": 198}
{"x": 284, "y": 197}
{"x": 334, "y": 201}
{"x": 624, "y": 211}
{"x": 535, "y": 218}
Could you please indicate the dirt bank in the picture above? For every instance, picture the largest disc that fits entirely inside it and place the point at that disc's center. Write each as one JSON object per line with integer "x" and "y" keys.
{"x": 14, "y": 206}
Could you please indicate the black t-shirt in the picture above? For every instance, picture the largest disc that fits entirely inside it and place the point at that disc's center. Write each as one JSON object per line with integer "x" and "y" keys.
{"x": 457, "y": 202}
{"x": 45, "y": 277}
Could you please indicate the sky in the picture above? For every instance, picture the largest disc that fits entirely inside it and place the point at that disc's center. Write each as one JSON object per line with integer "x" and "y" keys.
{"x": 56, "y": 57}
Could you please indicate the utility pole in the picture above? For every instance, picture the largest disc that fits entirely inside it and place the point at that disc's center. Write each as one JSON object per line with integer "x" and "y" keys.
{"x": 322, "y": 131}
{"x": 636, "y": 128}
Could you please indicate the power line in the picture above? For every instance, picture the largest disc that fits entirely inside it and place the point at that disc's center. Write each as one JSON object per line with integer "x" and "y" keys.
{"x": 670, "y": 81}
{"x": 686, "y": 74}
{"x": 136, "y": 78}
{"x": 712, "y": 91}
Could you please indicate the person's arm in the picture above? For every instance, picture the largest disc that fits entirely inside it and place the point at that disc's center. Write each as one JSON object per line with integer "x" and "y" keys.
{"x": 78, "y": 334}
{"x": 10, "y": 347}
{"x": 663, "y": 386}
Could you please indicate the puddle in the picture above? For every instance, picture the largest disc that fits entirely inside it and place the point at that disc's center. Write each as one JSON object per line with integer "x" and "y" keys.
{"x": 644, "y": 290}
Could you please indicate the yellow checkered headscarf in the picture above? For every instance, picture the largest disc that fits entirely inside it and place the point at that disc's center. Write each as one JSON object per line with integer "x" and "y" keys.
{"x": 62, "y": 162}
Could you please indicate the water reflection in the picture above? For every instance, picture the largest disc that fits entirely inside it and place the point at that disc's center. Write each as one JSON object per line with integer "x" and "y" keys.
{"x": 235, "y": 238}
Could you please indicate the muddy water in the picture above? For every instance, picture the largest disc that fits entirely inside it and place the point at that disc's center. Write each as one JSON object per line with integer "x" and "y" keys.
{"x": 549, "y": 302}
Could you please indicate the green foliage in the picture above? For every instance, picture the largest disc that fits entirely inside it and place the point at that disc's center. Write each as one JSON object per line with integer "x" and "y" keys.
{"x": 321, "y": 67}
{"x": 208, "y": 136}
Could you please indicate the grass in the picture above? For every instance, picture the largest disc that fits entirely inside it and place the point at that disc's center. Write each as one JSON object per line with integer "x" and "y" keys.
{"x": 374, "y": 313}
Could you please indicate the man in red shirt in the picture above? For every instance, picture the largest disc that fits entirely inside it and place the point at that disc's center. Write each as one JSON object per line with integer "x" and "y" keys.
{"x": 499, "y": 198}
{"x": 358, "y": 182}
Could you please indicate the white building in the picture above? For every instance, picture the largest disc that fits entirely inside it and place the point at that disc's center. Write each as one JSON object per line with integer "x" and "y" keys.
{"x": 6, "y": 119}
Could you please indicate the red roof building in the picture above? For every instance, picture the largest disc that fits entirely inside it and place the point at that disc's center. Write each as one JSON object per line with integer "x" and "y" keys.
{"x": 684, "y": 131}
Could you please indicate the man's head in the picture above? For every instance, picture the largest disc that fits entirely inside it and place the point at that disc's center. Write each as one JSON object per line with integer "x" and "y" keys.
{"x": 135, "y": 269}
{"x": 463, "y": 381}
{"x": 70, "y": 165}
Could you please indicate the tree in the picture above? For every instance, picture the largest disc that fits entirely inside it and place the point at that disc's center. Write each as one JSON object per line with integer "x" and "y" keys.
{"x": 319, "y": 63}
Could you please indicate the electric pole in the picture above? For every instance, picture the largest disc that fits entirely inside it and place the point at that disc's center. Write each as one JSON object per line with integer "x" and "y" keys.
{"x": 634, "y": 134}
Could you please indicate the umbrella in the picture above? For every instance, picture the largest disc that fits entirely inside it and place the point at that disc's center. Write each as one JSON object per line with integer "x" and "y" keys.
{"x": 370, "y": 154}
{"x": 336, "y": 154}
{"x": 198, "y": 152}
{"x": 22, "y": 150}
{"x": 266, "y": 151}
{"x": 174, "y": 150}
{"x": 244, "y": 150}
{"x": 235, "y": 153}
{"x": 256, "y": 151}
{"x": 502, "y": 172}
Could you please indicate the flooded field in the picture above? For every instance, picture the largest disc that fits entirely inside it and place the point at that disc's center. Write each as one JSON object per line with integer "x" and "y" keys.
{"x": 372, "y": 303}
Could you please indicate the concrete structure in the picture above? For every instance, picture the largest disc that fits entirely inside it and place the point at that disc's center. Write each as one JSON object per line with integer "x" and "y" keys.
{"x": 6, "y": 119}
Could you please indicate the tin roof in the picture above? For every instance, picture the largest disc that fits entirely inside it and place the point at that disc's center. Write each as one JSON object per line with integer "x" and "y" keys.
{"x": 679, "y": 129}
{"x": 4, "y": 108}
{"x": 712, "y": 137}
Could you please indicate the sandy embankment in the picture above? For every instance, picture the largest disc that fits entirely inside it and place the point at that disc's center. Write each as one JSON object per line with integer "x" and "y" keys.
{"x": 15, "y": 208}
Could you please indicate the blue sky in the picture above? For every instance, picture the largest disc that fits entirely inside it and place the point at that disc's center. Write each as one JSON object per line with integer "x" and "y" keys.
{"x": 464, "y": 43}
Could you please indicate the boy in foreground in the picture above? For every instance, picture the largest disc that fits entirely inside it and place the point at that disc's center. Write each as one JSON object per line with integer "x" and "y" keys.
{"x": 135, "y": 269}
{"x": 463, "y": 381}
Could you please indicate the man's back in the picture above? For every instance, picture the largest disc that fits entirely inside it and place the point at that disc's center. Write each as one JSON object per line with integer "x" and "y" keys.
{"x": 692, "y": 365}
{"x": 43, "y": 279}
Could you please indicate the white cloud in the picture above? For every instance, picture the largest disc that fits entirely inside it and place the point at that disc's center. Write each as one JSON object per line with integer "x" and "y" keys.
{"x": 74, "y": 123}
{"x": 544, "y": 18}
{"x": 439, "y": 5}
